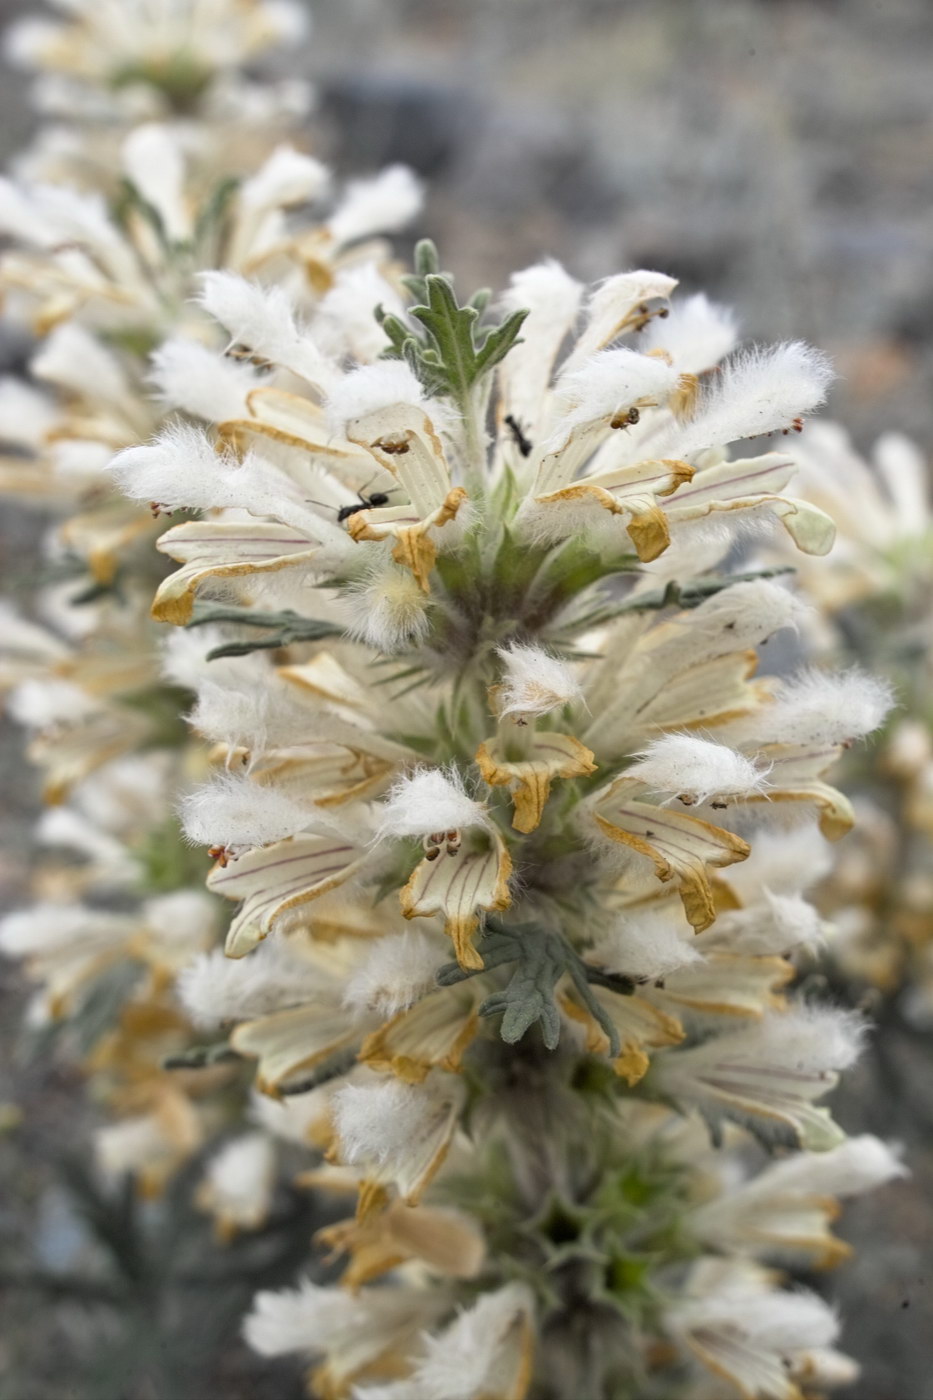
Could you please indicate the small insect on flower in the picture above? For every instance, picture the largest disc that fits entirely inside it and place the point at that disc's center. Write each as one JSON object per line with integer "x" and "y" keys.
{"x": 523, "y": 444}
{"x": 628, "y": 419}
{"x": 366, "y": 502}
{"x": 243, "y": 355}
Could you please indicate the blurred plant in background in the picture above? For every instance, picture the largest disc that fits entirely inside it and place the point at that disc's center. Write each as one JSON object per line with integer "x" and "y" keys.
{"x": 469, "y": 640}
{"x": 874, "y": 599}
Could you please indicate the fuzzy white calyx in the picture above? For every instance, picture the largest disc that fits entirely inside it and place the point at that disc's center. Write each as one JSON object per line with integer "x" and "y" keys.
{"x": 214, "y": 988}
{"x": 696, "y": 769}
{"x": 535, "y": 682}
{"x": 382, "y": 204}
{"x": 154, "y": 163}
{"x": 389, "y": 611}
{"x": 73, "y": 359}
{"x": 467, "y": 1361}
{"x": 189, "y": 376}
{"x": 825, "y": 708}
{"x": 345, "y": 325}
{"x": 263, "y": 319}
{"x": 399, "y": 970}
{"x": 760, "y": 391}
{"x": 611, "y": 383}
{"x": 696, "y": 334}
{"x": 234, "y": 812}
{"x": 645, "y": 946}
{"x": 430, "y": 800}
{"x": 288, "y": 177}
{"x": 371, "y": 388}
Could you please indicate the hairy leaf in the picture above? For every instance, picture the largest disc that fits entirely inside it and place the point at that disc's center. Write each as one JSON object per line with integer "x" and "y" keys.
{"x": 542, "y": 956}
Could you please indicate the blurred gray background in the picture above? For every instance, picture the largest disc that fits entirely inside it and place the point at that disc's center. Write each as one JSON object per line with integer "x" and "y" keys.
{"x": 775, "y": 153}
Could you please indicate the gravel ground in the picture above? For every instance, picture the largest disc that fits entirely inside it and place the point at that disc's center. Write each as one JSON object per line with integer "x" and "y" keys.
{"x": 776, "y": 154}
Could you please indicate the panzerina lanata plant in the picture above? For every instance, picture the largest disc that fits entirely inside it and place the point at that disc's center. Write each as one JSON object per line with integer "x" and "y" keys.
{"x": 520, "y": 845}
{"x": 520, "y": 718}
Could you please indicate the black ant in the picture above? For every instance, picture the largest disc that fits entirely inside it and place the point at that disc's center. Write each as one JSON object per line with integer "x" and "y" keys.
{"x": 521, "y": 442}
{"x": 377, "y": 498}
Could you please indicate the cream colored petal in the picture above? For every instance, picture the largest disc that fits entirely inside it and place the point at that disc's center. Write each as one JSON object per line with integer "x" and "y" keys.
{"x": 457, "y": 886}
{"x": 727, "y": 984}
{"x": 276, "y": 878}
{"x": 403, "y": 440}
{"x": 752, "y": 483}
{"x": 292, "y": 421}
{"x": 552, "y": 756}
{"x": 631, "y": 491}
{"x": 218, "y": 550}
{"x": 637, "y": 1022}
{"x": 680, "y": 847}
{"x": 414, "y": 548}
{"x": 434, "y": 1033}
{"x": 617, "y": 306}
{"x": 289, "y": 1043}
{"x": 325, "y": 679}
{"x": 329, "y": 778}
{"x": 795, "y": 776}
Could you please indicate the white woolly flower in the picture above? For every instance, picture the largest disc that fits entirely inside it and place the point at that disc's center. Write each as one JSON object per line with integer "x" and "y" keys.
{"x": 214, "y": 988}
{"x": 696, "y": 333}
{"x": 820, "y": 707}
{"x": 778, "y": 924}
{"x": 857, "y": 1165}
{"x": 301, "y": 1118}
{"x": 263, "y": 319}
{"x": 26, "y": 414}
{"x": 381, "y": 204}
{"x": 43, "y": 703}
{"x": 179, "y": 468}
{"x": 645, "y": 947}
{"x": 770, "y": 1073}
{"x": 696, "y": 769}
{"x": 551, "y": 297}
{"x": 154, "y": 163}
{"x": 370, "y": 388}
{"x": 534, "y": 681}
{"x": 430, "y": 800}
{"x": 760, "y": 391}
{"x": 611, "y": 382}
{"x": 189, "y": 376}
{"x": 49, "y": 928}
{"x": 234, "y": 812}
{"x": 345, "y": 325}
{"x": 288, "y": 177}
{"x": 735, "y": 1321}
{"x": 187, "y": 918}
{"x": 301, "y": 1319}
{"x": 398, "y": 971}
{"x": 73, "y": 359}
{"x": 400, "y": 1128}
{"x": 353, "y": 1330}
{"x": 784, "y": 862}
{"x": 479, "y": 1353}
{"x": 238, "y": 1184}
{"x": 787, "y": 1209}
{"x": 125, "y": 1146}
{"x": 238, "y": 716}
{"x": 389, "y": 611}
